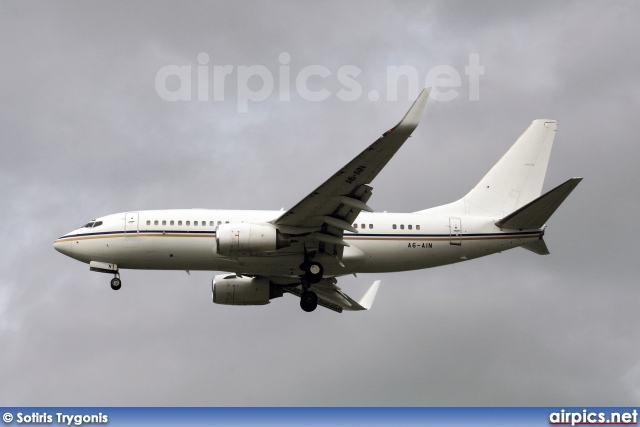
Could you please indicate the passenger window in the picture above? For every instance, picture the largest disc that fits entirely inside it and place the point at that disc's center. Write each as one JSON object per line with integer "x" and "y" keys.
{"x": 362, "y": 226}
{"x": 155, "y": 222}
{"x": 211, "y": 223}
{"x": 164, "y": 222}
{"x": 171, "y": 222}
{"x": 188, "y": 223}
{"x": 180, "y": 222}
{"x": 409, "y": 226}
{"x": 401, "y": 226}
{"x": 204, "y": 223}
{"x": 355, "y": 225}
{"x": 417, "y": 227}
{"x": 394, "y": 226}
{"x": 148, "y": 222}
{"x": 370, "y": 225}
{"x": 226, "y": 222}
{"x": 195, "y": 222}
{"x": 219, "y": 222}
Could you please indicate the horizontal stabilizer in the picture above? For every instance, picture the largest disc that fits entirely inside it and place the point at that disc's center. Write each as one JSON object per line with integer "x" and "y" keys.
{"x": 535, "y": 214}
{"x": 538, "y": 247}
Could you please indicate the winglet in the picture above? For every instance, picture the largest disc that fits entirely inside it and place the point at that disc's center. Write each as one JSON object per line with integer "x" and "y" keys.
{"x": 410, "y": 120}
{"x": 367, "y": 299}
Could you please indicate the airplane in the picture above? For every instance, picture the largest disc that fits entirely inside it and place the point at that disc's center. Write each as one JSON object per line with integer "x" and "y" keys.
{"x": 332, "y": 232}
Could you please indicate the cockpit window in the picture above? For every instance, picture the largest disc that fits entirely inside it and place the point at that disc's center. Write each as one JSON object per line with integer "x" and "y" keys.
{"x": 92, "y": 224}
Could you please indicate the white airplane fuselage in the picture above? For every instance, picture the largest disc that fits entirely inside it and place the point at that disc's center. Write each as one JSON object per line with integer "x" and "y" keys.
{"x": 154, "y": 240}
{"x": 333, "y": 231}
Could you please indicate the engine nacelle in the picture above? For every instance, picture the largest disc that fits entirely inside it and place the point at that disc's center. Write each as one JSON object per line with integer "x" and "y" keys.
{"x": 233, "y": 290}
{"x": 246, "y": 237}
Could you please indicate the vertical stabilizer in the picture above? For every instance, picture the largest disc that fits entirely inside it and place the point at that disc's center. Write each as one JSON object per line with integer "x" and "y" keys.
{"x": 518, "y": 176}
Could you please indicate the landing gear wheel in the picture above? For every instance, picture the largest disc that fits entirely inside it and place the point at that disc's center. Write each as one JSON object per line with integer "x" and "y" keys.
{"x": 116, "y": 283}
{"x": 308, "y": 301}
{"x": 313, "y": 272}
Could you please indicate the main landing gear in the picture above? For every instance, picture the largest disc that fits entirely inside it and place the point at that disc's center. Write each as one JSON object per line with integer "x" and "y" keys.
{"x": 308, "y": 301}
{"x": 313, "y": 272}
{"x": 116, "y": 283}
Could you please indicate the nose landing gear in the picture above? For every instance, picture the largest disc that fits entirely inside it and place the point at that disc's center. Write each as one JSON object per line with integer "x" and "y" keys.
{"x": 109, "y": 268}
{"x": 116, "y": 283}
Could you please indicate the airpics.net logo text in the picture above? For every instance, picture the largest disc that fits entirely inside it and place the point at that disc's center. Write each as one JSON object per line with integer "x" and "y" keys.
{"x": 255, "y": 83}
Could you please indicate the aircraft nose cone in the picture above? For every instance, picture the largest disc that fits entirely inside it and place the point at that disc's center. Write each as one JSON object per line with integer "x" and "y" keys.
{"x": 63, "y": 247}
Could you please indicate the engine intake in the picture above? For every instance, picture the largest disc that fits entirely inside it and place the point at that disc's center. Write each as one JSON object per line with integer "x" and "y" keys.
{"x": 239, "y": 290}
{"x": 247, "y": 237}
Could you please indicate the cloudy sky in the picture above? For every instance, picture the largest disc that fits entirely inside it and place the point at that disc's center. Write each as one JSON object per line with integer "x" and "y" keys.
{"x": 86, "y": 130}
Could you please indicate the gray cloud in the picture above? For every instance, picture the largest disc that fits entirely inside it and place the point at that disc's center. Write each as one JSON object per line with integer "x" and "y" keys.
{"x": 84, "y": 133}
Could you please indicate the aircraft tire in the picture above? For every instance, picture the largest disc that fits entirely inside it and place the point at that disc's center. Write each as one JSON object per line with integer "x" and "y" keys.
{"x": 116, "y": 283}
{"x": 308, "y": 301}
{"x": 314, "y": 272}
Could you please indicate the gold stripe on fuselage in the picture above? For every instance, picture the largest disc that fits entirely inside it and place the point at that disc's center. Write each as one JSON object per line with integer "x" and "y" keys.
{"x": 446, "y": 238}
{"x": 111, "y": 236}
{"x": 356, "y": 238}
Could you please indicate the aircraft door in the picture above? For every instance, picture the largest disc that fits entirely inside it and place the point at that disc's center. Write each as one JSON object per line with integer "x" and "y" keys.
{"x": 455, "y": 231}
{"x": 131, "y": 224}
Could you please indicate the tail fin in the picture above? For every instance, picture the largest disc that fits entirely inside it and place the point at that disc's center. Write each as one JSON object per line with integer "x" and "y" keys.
{"x": 518, "y": 176}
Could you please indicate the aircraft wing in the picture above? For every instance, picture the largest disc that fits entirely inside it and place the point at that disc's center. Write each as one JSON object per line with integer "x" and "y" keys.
{"x": 331, "y": 208}
{"x": 331, "y": 296}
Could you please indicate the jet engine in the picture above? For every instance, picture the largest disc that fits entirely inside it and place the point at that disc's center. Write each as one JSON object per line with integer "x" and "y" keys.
{"x": 246, "y": 237}
{"x": 242, "y": 290}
